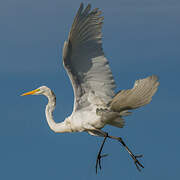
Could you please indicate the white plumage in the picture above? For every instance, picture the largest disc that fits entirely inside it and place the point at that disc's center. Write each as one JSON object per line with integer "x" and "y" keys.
{"x": 95, "y": 104}
{"x": 84, "y": 60}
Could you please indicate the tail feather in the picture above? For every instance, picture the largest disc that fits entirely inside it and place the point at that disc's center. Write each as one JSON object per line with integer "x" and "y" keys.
{"x": 117, "y": 122}
{"x": 110, "y": 117}
{"x": 140, "y": 95}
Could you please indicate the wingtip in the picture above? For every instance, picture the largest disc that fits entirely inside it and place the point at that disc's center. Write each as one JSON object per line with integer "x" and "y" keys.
{"x": 89, "y": 6}
{"x": 81, "y": 5}
{"x": 154, "y": 76}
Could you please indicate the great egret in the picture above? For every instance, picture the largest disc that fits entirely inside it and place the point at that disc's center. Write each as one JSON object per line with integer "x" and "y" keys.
{"x": 95, "y": 104}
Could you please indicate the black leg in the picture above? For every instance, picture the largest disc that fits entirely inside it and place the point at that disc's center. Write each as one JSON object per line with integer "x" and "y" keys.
{"x": 137, "y": 163}
{"x": 99, "y": 156}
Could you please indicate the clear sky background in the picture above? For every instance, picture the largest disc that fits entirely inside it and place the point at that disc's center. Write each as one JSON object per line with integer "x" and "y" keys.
{"x": 140, "y": 38}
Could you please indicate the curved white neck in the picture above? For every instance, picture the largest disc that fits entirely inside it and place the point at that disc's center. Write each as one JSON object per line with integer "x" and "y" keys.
{"x": 56, "y": 127}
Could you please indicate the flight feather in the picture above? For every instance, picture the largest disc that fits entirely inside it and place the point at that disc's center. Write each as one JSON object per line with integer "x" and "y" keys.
{"x": 84, "y": 59}
{"x": 140, "y": 95}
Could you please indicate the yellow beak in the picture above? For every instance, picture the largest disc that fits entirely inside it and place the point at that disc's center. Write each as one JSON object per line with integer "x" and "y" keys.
{"x": 30, "y": 92}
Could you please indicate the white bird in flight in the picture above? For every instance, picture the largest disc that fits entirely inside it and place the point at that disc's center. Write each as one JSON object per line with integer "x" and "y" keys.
{"x": 95, "y": 103}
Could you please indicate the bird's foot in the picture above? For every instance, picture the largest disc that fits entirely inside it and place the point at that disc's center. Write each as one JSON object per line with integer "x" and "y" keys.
{"x": 98, "y": 160}
{"x": 136, "y": 162}
{"x": 135, "y": 158}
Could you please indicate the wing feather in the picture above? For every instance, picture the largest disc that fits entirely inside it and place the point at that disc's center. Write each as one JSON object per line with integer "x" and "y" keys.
{"x": 84, "y": 60}
{"x": 140, "y": 95}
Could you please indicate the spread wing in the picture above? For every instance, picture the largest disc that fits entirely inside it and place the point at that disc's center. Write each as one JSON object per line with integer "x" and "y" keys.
{"x": 84, "y": 60}
{"x": 140, "y": 95}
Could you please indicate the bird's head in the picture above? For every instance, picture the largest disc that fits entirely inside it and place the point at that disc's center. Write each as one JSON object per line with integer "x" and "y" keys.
{"x": 43, "y": 90}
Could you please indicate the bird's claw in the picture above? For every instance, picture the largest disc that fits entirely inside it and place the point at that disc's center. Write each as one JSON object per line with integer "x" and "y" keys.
{"x": 104, "y": 155}
{"x": 98, "y": 161}
{"x": 137, "y": 163}
{"x": 139, "y": 156}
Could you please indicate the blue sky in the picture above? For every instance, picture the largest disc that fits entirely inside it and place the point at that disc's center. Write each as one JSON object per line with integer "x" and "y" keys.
{"x": 140, "y": 38}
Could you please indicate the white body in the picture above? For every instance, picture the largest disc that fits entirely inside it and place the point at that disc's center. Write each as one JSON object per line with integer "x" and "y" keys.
{"x": 85, "y": 119}
{"x": 95, "y": 103}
